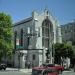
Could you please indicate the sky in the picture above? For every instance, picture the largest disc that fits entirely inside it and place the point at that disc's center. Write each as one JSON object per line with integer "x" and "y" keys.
{"x": 62, "y": 10}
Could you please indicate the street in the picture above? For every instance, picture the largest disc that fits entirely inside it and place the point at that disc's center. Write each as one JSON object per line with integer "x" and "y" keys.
{"x": 12, "y": 73}
{"x": 16, "y": 72}
{"x": 68, "y": 73}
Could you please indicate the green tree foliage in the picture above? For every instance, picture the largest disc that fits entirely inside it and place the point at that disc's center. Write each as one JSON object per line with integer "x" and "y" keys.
{"x": 6, "y": 45}
{"x": 63, "y": 50}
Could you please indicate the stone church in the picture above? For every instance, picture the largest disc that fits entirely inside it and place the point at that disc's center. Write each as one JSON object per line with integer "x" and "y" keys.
{"x": 33, "y": 37}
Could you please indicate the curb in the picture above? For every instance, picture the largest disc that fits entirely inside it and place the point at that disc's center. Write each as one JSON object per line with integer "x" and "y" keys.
{"x": 20, "y": 70}
{"x": 26, "y": 70}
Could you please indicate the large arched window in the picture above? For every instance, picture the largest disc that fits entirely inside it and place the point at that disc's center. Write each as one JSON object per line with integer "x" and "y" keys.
{"x": 47, "y": 29}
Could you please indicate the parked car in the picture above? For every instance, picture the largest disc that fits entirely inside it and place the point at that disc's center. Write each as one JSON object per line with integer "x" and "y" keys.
{"x": 44, "y": 71}
{"x": 59, "y": 68}
{"x": 2, "y": 66}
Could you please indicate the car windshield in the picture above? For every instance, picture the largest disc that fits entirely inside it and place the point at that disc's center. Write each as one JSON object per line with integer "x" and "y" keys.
{"x": 49, "y": 65}
{"x": 36, "y": 72}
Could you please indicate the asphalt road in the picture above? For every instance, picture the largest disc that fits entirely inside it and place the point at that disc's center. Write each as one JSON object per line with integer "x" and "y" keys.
{"x": 12, "y": 73}
{"x": 16, "y": 72}
{"x": 68, "y": 73}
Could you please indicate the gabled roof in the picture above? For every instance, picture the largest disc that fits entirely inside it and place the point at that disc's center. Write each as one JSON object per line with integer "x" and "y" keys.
{"x": 23, "y": 21}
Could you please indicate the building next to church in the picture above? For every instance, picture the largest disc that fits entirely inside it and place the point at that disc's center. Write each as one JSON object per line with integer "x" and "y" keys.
{"x": 68, "y": 36}
{"x": 33, "y": 37}
{"x": 68, "y": 32}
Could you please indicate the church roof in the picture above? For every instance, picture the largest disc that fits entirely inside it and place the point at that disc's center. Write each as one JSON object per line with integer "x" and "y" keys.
{"x": 23, "y": 21}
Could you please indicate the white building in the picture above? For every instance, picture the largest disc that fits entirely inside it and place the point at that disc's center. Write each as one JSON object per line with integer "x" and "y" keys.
{"x": 33, "y": 36}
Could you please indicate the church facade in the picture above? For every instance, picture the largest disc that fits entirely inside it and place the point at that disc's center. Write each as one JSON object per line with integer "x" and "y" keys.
{"x": 33, "y": 37}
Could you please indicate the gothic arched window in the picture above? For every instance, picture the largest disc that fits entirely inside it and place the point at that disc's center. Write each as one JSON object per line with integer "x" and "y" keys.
{"x": 46, "y": 31}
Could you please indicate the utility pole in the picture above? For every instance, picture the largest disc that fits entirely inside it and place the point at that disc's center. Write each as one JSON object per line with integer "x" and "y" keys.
{"x": 19, "y": 60}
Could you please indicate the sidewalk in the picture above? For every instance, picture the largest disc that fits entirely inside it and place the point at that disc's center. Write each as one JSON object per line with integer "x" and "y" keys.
{"x": 21, "y": 70}
{"x": 69, "y": 70}
{"x": 11, "y": 69}
{"x": 26, "y": 70}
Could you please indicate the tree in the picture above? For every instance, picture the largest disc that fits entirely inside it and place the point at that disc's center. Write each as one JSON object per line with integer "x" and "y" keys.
{"x": 6, "y": 44}
{"x": 62, "y": 50}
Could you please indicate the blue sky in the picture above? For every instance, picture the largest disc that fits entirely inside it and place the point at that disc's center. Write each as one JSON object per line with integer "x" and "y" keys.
{"x": 62, "y": 10}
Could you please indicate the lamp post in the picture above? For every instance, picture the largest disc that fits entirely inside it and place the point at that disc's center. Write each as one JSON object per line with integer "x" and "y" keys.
{"x": 19, "y": 60}
{"x": 18, "y": 47}
{"x": 29, "y": 36}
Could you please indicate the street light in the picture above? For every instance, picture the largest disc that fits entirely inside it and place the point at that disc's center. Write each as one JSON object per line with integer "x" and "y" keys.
{"x": 20, "y": 54}
{"x": 19, "y": 60}
{"x": 29, "y": 34}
